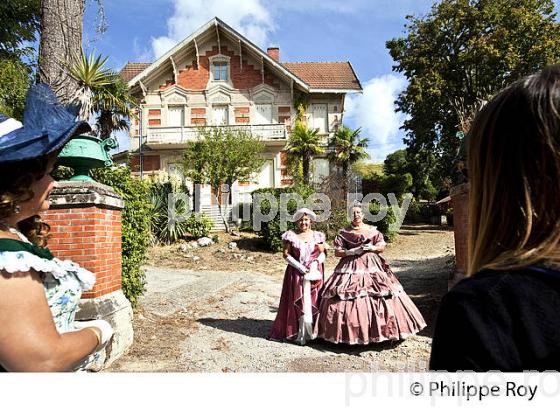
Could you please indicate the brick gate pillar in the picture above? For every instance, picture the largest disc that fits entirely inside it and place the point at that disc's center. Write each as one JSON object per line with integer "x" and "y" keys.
{"x": 85, "y": 220}
{"x": 460, "y": 202}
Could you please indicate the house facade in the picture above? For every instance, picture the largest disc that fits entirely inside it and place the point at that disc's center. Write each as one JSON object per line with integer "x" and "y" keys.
{"x": 217, "y": 77}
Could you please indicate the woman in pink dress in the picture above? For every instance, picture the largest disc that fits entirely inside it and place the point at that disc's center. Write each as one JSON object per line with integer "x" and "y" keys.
{"x": 304, "y": 252}
{"x": 363, "y": 301}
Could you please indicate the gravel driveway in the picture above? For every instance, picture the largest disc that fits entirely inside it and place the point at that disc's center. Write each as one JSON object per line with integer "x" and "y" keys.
{"x": 217, "y": 321}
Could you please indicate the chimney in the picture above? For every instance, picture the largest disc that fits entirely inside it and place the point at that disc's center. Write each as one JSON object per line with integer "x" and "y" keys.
{"x": 274, "y": 52}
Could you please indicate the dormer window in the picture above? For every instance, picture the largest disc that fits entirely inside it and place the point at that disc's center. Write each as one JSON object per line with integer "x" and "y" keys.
{"x": 220, "y": 71}
{"x": 219, "y": 68}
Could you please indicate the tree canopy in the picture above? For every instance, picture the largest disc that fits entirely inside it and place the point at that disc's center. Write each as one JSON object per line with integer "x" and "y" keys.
{"x": 222, "y": 156}
{"x": 20, "y": 23}
{"x": 457, "y": 57}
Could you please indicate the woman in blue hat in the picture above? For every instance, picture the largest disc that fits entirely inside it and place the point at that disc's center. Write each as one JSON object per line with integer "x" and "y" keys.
{"x": 39, "y": 294}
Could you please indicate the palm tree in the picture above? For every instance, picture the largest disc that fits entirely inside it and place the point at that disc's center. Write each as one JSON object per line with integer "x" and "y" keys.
{"x": 347, "y": 148}
{"x": 304, "y": 144}
{"x": 101, "y": 94}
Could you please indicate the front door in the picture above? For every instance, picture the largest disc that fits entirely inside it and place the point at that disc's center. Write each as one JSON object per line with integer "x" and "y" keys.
{"x": 266, "y": 176}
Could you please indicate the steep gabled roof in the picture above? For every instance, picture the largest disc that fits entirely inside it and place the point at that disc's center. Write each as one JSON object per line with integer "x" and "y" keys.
{"x": 215, "y": 22}
{"x": 337, "y": 75}
{"x": 131, "y": 70}
{"x": 311, "y": 76}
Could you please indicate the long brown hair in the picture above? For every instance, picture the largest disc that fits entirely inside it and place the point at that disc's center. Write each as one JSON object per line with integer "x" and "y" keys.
{"x": 514, "y": 173}
{"x": 16, "y": 179}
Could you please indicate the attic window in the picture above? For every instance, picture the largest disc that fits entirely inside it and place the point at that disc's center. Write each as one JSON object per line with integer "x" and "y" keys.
{"x": 220, "y": 71}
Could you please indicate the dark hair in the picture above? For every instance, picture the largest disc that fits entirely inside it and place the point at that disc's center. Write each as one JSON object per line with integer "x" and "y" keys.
{"x": 514, "y": 174}
{"x": 15, "y": 188}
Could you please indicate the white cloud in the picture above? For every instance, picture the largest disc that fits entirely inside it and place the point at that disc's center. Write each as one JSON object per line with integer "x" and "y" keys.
{"x": 374, "y": 112}
{"x": 250, "y": 17}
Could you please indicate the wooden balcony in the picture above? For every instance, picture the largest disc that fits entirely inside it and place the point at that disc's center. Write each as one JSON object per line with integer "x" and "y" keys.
{"x": 177, "y": 137}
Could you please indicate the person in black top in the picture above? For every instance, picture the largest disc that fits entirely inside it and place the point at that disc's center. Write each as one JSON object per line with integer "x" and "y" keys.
{"x": 506, "y": 315}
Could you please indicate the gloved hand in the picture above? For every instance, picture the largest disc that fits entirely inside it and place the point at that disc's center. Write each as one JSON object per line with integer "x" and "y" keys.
{"x": 104, "y": 326}
{"x": 314, "y": 273}
{"x": 369, "y": 247}
{"x": 292, "y": 262}
{"x": 354, "y": 251}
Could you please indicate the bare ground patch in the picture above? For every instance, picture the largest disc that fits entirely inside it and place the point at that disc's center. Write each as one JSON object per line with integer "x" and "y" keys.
{"x": 217, "y": 311}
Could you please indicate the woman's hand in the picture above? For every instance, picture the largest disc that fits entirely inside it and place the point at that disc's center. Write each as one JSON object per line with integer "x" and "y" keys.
{"x": 370, "y": 248}
{"x": 105, "y": 329}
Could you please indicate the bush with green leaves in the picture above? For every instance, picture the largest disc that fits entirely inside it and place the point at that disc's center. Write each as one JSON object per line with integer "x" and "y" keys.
{"x": 135, "y": 226}
{"x": 270, "y": 231}
{"x": 170, "y": 227}
{"x": 337, "y": 220}
{"x": 418, "y": 212}
{"x": 162, "y": 230}
{"x": 384, "y": 225}
{"x": 198, "y": 225}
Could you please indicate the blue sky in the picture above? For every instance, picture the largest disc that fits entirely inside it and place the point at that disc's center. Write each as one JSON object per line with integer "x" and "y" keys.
{"x": 305, "y": 30}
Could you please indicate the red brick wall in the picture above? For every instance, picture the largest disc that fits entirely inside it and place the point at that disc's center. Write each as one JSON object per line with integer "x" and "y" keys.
{"x": 192, "y": 78}
{"x": 154, "y": 121}
{"x": 90, "y": 237}
{"x": 460, "y": 200}
{"x": 242, "y": 115}
{"x": 198, "y": 116}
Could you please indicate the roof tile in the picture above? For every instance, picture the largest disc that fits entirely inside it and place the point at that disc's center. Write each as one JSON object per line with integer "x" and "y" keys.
{"x": 327, "y": 75}
{"x": 131, "y": 70}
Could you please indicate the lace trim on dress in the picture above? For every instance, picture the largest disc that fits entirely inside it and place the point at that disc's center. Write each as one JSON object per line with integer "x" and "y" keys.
{"x": 23, "y": 261}
{"x": 291, "y": 236}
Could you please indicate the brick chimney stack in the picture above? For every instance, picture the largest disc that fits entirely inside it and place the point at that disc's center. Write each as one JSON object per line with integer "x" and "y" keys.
{"x": 274, "y": 52}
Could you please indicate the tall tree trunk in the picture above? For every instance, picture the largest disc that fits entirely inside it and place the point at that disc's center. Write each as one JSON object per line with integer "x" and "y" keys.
{"x": 305, "y": 163}
{"x": 345, "y": 177}
{"x": 61, "y": 40}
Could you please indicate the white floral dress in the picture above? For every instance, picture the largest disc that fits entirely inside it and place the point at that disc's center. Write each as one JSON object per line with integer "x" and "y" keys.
{"x": 63, "y": 281}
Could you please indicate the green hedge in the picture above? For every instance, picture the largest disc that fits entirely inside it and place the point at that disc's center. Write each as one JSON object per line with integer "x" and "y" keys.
{"x": 383, "y": 225}
{"x": 135, "y": 226}
{"x": 270, "y": 231}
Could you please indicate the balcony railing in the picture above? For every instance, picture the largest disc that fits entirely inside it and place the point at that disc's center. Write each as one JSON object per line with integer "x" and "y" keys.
{"x": 180, "y": 135}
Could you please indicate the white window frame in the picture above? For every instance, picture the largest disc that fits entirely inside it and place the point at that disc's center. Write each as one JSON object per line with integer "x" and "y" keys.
{"x": 220, "y": 59}
{"x": 183, "y": 111}
{"x": 257, "y": 115}
{"x": 326, "y": 123}
{"x": 226, "y": 106}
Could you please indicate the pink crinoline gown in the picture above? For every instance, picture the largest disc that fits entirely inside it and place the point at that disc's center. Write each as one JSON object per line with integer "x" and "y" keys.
{"x": 363, "y": 301}
{"x": 289, "y": 324}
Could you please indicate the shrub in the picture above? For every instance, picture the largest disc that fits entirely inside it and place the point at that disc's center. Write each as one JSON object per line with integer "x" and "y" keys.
{"x": 270, "y": 231}
{"x": 185, "y": 224}
{"x": 135, "y": 226}
{"x": 384, "y": 225}
{"x": 162, "y": 230}
{"x": 449, "y": 216}
{"x": 418, "y": 212}
{"x": 337, "y": 220}
{"x": 198, "y": 225}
